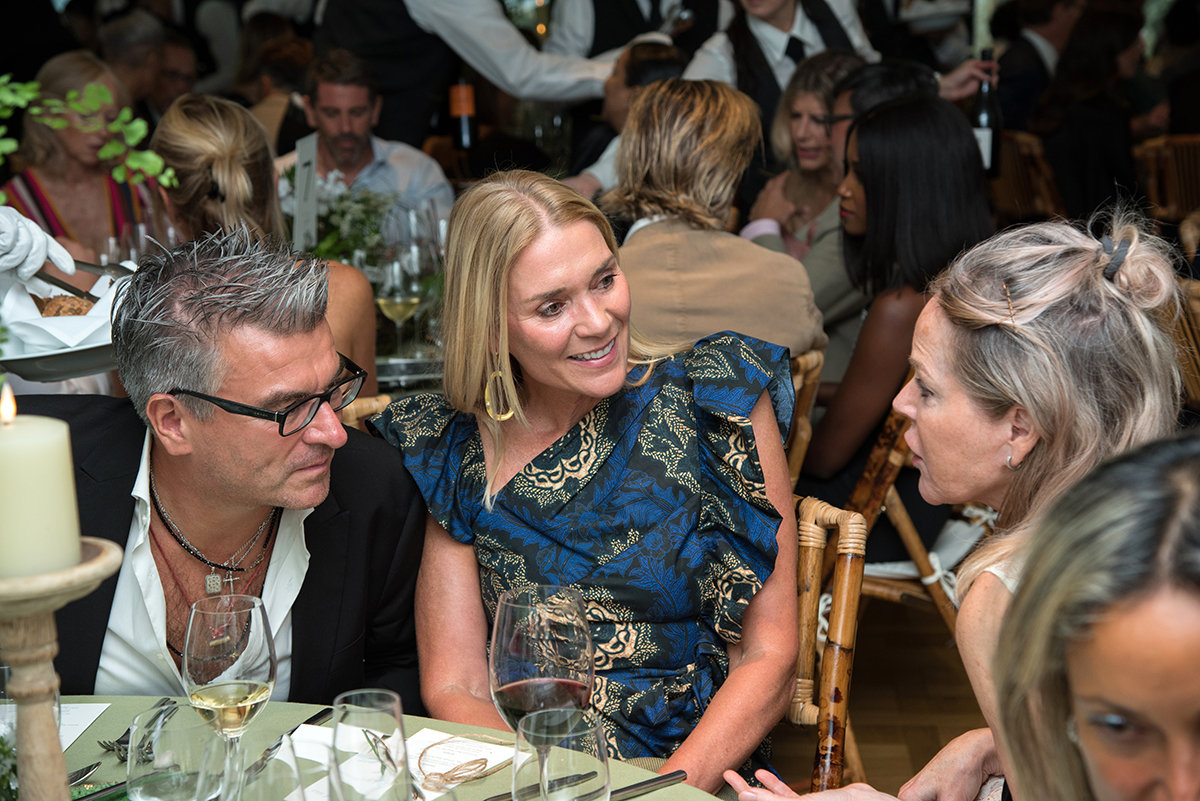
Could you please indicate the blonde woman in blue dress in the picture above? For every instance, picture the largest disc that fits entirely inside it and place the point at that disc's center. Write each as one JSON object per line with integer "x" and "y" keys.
{"x": 567, "y": 450}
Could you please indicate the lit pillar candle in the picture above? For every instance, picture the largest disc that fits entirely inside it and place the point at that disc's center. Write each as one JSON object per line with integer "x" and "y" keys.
{"x": 39, "y": 518}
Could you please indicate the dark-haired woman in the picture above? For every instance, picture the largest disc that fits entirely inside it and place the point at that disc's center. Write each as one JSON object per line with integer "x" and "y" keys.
{"x": 913, "y": 198}
{"x": 1084, "y": 122}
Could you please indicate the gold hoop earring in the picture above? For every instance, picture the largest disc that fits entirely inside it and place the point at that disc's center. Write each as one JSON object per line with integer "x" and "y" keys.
{"x": 487, "y": 399}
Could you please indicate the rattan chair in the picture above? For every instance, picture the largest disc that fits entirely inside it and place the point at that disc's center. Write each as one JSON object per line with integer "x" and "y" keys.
{"x": 1172, "y": 173}
{"x": 874, "y": 493}
{"x": 362, "y": 408}
{"x": 1187, "y": 342}
{"x": 806, "y": 377}
{"x": 823, "y": 702}
{"x": 1025, "y": 189}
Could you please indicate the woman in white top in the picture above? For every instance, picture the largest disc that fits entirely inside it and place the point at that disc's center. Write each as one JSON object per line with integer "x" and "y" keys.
{"x": 1041, "y": 353}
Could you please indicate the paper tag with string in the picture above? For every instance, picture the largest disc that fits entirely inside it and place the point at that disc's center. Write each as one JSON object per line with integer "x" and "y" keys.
{"x": 439, "y": 761}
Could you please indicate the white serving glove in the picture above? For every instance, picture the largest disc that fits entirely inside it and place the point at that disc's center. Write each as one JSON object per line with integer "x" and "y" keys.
{"x": 25, "y": 247}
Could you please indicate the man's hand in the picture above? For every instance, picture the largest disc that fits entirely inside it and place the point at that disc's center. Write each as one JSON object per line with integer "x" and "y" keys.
{"x": 771, "y": 203}
{"x": 776, "y": 790}
{"x": 964, "y": 80}
{"x": 958, "y": 771}
{"x": 585, "y": 184}
{"x": 25, "y": 248}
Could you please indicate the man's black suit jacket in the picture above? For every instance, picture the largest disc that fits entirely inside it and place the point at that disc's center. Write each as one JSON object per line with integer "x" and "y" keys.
{"x": 1023, "y": 79}
{"x": 352, "y": 622}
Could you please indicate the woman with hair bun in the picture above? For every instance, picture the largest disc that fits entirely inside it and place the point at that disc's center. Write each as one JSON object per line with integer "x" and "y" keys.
{"x": 226, "y": 179}
{"x": 1041, "y": 353}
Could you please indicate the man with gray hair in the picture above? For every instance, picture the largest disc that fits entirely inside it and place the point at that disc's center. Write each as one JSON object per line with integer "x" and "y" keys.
{"x": 228, "y": 471}
{"x": 131, "y": 45}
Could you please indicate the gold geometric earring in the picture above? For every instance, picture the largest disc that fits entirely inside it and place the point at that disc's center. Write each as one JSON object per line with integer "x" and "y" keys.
{"x": 487, "y": 398}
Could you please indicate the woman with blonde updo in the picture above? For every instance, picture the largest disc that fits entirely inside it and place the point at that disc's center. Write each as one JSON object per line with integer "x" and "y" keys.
{"x": 1041, "y": 354}
{"x": 63, "y": 185}
{"x": 226, "y": 179}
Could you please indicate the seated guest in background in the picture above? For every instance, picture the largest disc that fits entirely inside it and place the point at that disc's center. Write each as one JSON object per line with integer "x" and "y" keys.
{"x": 62, "y": 185}
{"x": 226, "y": 181}
{"x": 640, "y": 65}
{"x": 685, "y": 146}
{"x": 177, "y": 76}
{"x": 572, "y": 451}
{"x": 1030, "y": 61}
{"x": 912, "y": 200}
{"x": 230, "y": 443}
{"x": 801, "y": 203}
{"x": 259, "y": 29}
{"x": 871, "y": 86}
{"x": 284, "y": 59}
{"x": 1083, "y": 121}
{"x": 341, "y": 104}
{"x": 132, "y": 46}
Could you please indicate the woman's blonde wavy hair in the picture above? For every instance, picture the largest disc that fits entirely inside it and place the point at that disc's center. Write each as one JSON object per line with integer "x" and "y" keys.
{"x": 491, "y": 225}
{"x": 64, "y": 73}
{"x": 1037, "y": 323}
{"x": 683, "y": 150}
{"x": 223, "y": 163}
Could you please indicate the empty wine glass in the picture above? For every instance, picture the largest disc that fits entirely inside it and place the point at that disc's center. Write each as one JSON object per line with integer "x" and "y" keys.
{"x": 368, "y": 746}
{"x": 229, "y": 667}
{"x": 173, "y": 757}
{"x": 541, "y": 655}
{"x": 278, "y": 779}
{"x": 571, "y": 760}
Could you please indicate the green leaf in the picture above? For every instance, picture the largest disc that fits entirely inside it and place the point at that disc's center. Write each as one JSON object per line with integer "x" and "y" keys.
{"x": 96, "y": 95}
{"x": 112, "y": 148}
{"x": 166, "y": 178}
{"x": 119, "y": 172}
{"x": 136, "y": 131}
{"x": 8, "y": 146}
{"x": 78, "y": 107}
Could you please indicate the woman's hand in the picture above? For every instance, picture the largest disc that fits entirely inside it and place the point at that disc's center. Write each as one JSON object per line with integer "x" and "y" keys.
{"x": 776, "y": 790}
{"x": 958, "y": 771}
{"x": 771, "y": 203}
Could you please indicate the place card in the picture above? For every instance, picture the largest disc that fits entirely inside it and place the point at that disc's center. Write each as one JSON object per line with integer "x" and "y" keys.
{"x": 74, "y": 719}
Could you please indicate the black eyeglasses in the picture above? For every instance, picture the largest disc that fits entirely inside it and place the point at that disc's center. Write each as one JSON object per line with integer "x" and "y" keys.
{"x": 295, "y": 417}
{"x": 830, "y": 120}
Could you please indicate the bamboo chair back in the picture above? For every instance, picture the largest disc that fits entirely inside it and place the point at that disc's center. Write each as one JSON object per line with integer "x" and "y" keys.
{"x": 1172, "y": 169}
{"x": 874, "y": 493}
{"x": 1187, "y": 342}
{"x": 823, "y": 702}
{"x": 1025, "y": 189}
{"x": 806, "y": 377}
{"x": 1189, "y": 234}
{"x": 362, "y": 408}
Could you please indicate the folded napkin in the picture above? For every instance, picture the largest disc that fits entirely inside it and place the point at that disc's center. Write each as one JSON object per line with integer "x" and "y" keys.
{"x": 31, "y": 334}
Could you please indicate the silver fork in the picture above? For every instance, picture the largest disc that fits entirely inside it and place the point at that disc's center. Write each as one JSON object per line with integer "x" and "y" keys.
{"x": 122, "y": 742}
{"x": 144, "y": 751}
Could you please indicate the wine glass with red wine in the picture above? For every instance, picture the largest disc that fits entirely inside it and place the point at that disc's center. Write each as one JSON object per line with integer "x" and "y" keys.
{"x": 541, "y": 656}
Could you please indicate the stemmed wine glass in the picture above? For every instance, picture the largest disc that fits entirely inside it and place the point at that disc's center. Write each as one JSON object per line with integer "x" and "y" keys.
{"x": 368, "y": 754}
{"x": 229, "y": 668}
{"x": 541, "y": 655}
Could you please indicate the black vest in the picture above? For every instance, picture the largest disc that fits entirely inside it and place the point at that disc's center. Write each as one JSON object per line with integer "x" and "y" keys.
{"x": 412, "y": 69}
{"x": 756, "y": 79}
{"x": 618, "y": 21}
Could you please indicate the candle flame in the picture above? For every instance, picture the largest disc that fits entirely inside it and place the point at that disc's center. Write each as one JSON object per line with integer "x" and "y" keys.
{"x": 8, "y": 404}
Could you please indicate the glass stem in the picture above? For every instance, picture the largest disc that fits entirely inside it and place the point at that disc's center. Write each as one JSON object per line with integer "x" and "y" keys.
{"x": 232, "y": 790}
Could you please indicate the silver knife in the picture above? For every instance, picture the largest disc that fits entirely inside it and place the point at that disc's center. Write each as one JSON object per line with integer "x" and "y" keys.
{"x": 527, "y": 793}
{"x": 641, "y": 788}
{"x": 63, "y": 285}
{"x": 114, "y": 269}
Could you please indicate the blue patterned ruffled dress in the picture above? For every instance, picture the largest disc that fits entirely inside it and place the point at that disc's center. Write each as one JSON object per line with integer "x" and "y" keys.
{"x": 654, "y": 506}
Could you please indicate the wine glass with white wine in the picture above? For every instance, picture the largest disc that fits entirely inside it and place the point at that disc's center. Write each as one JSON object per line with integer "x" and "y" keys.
{"x": 400, "y": 297}
{"x": 229, "y": 667}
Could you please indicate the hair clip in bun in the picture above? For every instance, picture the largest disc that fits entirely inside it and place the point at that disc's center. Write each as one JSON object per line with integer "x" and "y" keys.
{"x": 215, "y": 193}
{"x": 1116, "y": 256}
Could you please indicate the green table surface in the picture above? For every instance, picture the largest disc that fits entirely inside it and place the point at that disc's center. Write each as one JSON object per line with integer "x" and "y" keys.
{"x": 277, "y": 717}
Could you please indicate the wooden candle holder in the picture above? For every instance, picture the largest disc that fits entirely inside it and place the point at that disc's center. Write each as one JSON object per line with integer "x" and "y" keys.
{"x": 28, "y": 645}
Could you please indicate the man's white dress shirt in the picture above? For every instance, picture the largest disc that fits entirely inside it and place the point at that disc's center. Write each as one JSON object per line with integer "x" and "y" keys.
{"x": 135, "y": 659}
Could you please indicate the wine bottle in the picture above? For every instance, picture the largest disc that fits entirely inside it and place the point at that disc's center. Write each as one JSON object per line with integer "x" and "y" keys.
{"x": 462, "y": 115}
{"x": 985, "y": 119}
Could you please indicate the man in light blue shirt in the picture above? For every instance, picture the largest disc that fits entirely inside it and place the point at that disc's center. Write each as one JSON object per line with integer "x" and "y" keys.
{"x": 343, "y": 107}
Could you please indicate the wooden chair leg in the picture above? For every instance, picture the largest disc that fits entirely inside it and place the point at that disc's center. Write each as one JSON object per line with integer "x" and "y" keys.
{"x": 838, "y": 659}
{"x": 920, "y": 557}
{"x": 855, "y": 770}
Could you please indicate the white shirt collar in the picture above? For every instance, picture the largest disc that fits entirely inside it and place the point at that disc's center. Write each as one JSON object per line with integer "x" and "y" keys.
{"x": 640, "y": 224}
{"x": 1046, "y": 51}
{"x": 134, "y": 659}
